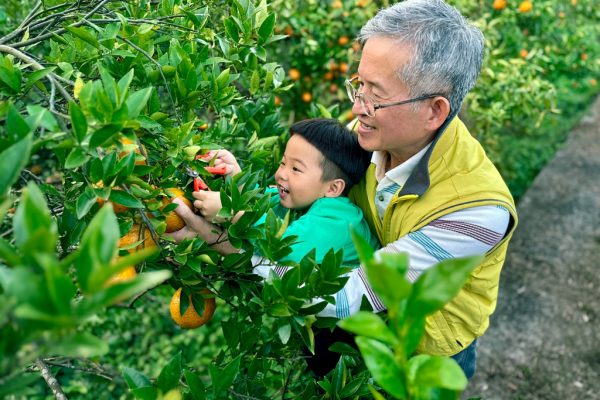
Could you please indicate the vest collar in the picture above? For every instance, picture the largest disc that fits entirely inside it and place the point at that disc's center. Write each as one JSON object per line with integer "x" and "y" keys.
{"x": 418, "y": 182}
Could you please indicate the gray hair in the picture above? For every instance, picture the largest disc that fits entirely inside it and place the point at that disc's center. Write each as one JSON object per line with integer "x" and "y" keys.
{"x": 448, "y": 50}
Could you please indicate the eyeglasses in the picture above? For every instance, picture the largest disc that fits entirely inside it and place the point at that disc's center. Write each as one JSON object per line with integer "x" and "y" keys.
{"x": 368, "y": 105}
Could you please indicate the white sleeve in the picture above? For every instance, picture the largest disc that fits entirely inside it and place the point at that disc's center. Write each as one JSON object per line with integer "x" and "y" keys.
{"x": 462, "y": 233}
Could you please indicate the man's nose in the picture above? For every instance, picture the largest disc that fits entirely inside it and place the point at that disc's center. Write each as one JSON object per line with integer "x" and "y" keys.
{"x": 356, "y": 107}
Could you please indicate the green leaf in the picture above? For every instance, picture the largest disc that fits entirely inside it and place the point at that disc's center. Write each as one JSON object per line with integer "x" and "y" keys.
{"x": 16, "y": 126}
{"x": 439, "y": 284}
{"x": 81, "y": 344}
{"x": 78, "y": 120}
{"x": 104, "y": 134}
{"x": 85, "y": 202}
{"x": 197, "y": 389}
{"x": 35, "y": 230}
{"x": 284, "y": 333}
{"x": 438, "y": 372}
{"x": 98, "y": 247}
{"x": 254, "y": 82}
{"x": 8, "y": 254}
{"x": 370, "y": 325}
{"x": 266, "y": 28}
{"x": 383, "y": 366}
{"x": 76, "y": 158}
{"x": 36, "y": 76}
{"x": 137, "y": 101}
{"x": 145, "y": 393}
{"x": 231, "y": 29}
{"x": 84, "y": 35}
{"x": 125, "y": 199}
{"x": 11, "y": 77}
{"x": 123, "y": 85}
{"x": 135, "y": 379}
{"x": 387, "y": 277}
{"x": 12, "y": 162}
{"x": 170, "y": 374}
{"x": 223, "y": 378}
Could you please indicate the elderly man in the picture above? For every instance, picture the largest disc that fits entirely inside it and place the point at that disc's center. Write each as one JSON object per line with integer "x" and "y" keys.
{"x": 431, "y": 191}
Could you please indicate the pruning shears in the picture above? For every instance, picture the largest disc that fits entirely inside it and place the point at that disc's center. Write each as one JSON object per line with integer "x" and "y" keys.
{"x": 199, "y": 183}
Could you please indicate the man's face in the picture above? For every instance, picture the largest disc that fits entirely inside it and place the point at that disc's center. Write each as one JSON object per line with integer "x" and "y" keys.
{"x": 400, "y": 130}
{"x": 299, "y": 175}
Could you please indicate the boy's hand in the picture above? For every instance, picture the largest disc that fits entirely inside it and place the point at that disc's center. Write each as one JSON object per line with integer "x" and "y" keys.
{"x": 223, "y": 158}
{"x": 207, "y": 203}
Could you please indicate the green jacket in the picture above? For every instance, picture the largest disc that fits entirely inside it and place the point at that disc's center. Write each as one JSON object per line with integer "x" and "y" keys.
{"x": 454, "y": 174}
{"x": 325, "y": 225}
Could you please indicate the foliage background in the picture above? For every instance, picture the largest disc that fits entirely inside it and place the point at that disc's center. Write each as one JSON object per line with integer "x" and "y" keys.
{"x": 541, "y": 71}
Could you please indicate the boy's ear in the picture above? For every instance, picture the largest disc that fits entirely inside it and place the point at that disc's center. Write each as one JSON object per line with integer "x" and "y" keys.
{"x": 336, "y": 188}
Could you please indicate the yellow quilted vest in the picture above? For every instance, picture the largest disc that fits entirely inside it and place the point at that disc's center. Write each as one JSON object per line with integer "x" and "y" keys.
{"x": 454, "y": 174}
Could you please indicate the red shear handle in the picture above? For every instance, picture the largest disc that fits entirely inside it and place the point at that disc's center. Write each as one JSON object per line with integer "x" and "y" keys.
{"x": 199, "y": 185}
{"x": 220, "y": 170}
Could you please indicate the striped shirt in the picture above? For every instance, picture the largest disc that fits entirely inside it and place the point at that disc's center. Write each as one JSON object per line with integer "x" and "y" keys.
{"x": 467, "y": 232}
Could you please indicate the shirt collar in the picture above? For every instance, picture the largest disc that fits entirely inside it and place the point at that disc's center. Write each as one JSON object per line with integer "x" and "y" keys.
{"x": 400, "y": 173}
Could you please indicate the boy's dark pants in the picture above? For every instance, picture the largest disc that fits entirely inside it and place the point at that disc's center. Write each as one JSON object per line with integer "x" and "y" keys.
{"x": 324, "y": 360}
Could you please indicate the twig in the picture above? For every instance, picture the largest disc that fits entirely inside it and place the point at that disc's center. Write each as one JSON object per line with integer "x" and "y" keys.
{"x": 152, "y": 60}
{"x": 242, "y": 396}
{"x": 41, "y": 38}
{"x": 50, "y": 379}
{"x": 30, "y": 16}
{"x": 36, "y": 66}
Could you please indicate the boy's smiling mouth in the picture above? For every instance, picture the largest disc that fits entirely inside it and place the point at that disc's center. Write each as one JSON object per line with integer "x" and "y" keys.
{"x": 283, "y": 191}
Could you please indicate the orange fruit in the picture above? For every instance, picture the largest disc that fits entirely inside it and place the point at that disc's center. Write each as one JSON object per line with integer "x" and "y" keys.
{"x": 333, "y": 66}
{"x": 203, "y": 127}
{"x": 36, "y": 169}
{"x": 174, "y": 221}
{"x": 125, "y": 275}
{"x": 289, "y": 30}
{"x": 525, "y": 6}
{"x": 356, "y": 47}
{"x": 499, "y": 5}
{"x": 328, "y": 76}
{"x": 343, "y": 68}
{"x": 294, "y": 74}
{"x": 306, "y": 97}
{"x": 277, "y": 101}
{"x": 337, "y": 4}
{"x": 333, "y": 88}
{"x": 343, "y": 40}
{"x": 362, "y": 3}
{"x": 190, "y": 318}
{"x": 561, "y": 14}
{"x": 523, "y": 53}
{"x": 135, "y": 235}
{"x": 126, "y": 141}
{"x": 593, "y": 82}
{"x": 583, "y": 56}
{"x": 117, "y": 208}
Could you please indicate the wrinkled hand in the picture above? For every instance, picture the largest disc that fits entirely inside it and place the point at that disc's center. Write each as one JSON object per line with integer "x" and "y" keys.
{"x": 207, "y": 203}
{"x": 195, "y": 225}
{"x": 226, "y": 158}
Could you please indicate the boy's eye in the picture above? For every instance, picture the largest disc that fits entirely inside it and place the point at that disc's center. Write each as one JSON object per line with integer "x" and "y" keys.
{"x": 295, "y": 169}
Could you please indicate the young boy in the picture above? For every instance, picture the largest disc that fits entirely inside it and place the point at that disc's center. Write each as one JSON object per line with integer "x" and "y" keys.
{"x": 322, "y": 161}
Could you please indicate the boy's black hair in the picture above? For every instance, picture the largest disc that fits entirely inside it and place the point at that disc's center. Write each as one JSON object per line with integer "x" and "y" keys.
{"x": 342, "y": 155}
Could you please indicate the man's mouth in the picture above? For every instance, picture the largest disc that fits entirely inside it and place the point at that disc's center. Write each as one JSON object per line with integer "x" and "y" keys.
{"x": 366, "y": 126}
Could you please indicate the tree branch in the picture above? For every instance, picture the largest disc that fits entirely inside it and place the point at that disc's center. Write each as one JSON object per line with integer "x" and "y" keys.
{"x": 50, "y": 379}
{"x": 36, "y": 66}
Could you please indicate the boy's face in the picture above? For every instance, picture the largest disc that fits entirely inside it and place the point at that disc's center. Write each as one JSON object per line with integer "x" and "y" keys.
{"x": 299, "y": 175}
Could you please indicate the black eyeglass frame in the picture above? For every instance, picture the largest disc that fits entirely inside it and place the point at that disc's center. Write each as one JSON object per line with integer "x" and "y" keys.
{"x": 353, "y": 94}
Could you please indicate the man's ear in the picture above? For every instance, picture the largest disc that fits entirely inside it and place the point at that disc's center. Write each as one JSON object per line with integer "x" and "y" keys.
{"x": 440, "y": 108}
{"x": 336, "y": 188}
